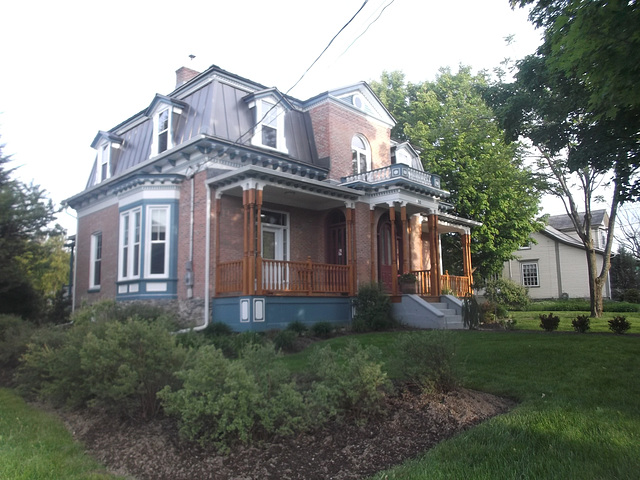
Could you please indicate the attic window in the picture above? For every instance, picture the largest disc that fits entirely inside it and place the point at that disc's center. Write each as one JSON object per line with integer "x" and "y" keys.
{"x": 165, "y": 114}
{"x": 270, "y": 125}
{"x": 163, "y": 130}
{"x": 103, "y": 162}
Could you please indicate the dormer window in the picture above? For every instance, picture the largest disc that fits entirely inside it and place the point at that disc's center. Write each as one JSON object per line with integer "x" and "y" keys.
{"x": 269, "y": 108}
{"x": 163, "y": 130}
{"x": 107, "y": 145}
{"x": 165, "y": 113}
{"x": 361, "y": 154}
{"x": 103, "y": 162}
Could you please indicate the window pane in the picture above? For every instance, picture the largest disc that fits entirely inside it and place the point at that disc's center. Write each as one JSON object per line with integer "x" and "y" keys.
{"x": 163, "y": 121}
{"x": 530, "y": 275}
{"x": 157, "y": 258}
{"x": 270, "y": 114}
{"x": 136, "y": 260}
{"x": 162, "y": 141}
{"x": 363, "y": 163}
{"x": 269, "y": 245}
{"x": 358, "y": 143}
{"x": 269, "y": 136}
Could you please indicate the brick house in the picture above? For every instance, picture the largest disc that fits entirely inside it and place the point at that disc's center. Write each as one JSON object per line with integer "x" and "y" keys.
{"x": 230, "y": 201}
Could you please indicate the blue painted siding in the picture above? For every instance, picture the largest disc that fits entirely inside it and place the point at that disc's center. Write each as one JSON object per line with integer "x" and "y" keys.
{"x": 279, "y": 311}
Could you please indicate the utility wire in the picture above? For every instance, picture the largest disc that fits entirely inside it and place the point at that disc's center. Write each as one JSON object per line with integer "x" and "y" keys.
{"x": 305, "y": 72}
{"x": 365, "y": 30}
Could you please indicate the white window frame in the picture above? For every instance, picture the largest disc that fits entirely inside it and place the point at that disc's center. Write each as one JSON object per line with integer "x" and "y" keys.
{"x": 130, "y": 242}
{"x": 274, "y": 113}
{"x": 150, "y": 240}
{"x": 528, "y": 275}
{"x": 104, "y": 162}
{"x": 96, "y": 261}
{"x": 172, "y": 111}
{"x": 357, "y": 152}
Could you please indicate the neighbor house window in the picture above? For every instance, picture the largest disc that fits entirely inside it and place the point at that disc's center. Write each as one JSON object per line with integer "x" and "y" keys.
{"x": 130, "y": 236}
{"x": 96, "y": 261}
{"x": 157, "y": 248}
{"x": 530, "y": 275}
{"x": 361, "y": 154}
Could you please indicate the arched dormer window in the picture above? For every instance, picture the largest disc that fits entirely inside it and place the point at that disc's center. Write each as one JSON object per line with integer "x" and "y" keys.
{"x": 360, "y": 154}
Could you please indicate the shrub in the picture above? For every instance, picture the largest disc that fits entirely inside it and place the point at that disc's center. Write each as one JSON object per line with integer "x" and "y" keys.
{"x": 109, "y": 310}
{"x": 619, "y": 325}
{"x": 471, "y": 312}
{"x": 631, "y": 295}
{"x": 349, "y": 382}
{"x": 127, "y": 365}
{"x": 507, "y": 292}
{"x": 373, "y": 309}
{"x": 285, "y": 340}
{"x": 298, "y": 327}
{"x": 322, "y": 329}
{"x": 217, "y": 329}
{"x": 581, "y": 323}
{"x": 508, "y": 323}
{"x": 549, "y": 322}
{"x": 14, "y": 335}
{"x": 425, "y": 359}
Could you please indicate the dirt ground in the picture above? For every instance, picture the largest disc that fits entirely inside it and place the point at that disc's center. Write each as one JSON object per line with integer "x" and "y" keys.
{"x": 413, "y": 424}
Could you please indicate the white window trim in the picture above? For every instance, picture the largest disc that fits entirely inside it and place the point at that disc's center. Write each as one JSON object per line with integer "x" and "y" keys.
{"x": 359, "y": 151}
{"x": 94, "y": 260}
{"x": 130, "y": 244}
{"x": 104, "y": 157}
{"x": 148, "y": 241}
{"x": 262, "y": 106}
{"x": 285, "y": 229}
{"x": 172, "y": 110}
{"x": 522, "y": 268}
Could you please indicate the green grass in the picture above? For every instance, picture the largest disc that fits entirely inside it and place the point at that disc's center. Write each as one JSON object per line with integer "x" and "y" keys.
{"x": 578, "y": 414}
{"x": 36, "y": 446}
{"x": 531, "y": 320}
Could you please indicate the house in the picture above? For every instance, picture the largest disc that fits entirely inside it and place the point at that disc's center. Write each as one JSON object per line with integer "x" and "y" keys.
{"x": 231, "y": 201}
{"x": 554, "y": 263}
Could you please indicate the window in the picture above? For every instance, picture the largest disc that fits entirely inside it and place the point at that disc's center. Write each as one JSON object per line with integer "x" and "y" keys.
{"x": 163, "y": 130}
{"x": 96, "y": 261}
{"x": 157, "y": 250}
{"x": 103, "y": 162}
{"x": 530, "y": 275}
{"x": 361, "y": 156}
{"x": 130, "y": 236}
{"x": 270, "y": 129}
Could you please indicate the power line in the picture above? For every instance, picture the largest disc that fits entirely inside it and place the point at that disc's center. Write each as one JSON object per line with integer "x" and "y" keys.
{"x": 365, "y": 30}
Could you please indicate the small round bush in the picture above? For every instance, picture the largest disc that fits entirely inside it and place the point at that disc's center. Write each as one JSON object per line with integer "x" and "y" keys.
{"x": 619, "y": 325}
{"x": 217, "y": 329}
{"x": 507, "y": 292}
{"x": 322, "y": 329}
{"x": 550, "y": 322}
{"x": 373, "y": 309}
{"x": 581, "y": 323}
{"x": 285, "y": 340}
{"x": 298, "y": 327}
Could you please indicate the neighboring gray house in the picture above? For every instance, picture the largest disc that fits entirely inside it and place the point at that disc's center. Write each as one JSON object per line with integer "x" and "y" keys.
{"x": 554, "y": 264}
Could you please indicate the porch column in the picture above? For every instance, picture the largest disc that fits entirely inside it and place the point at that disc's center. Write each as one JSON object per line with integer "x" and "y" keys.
{"x": 252, "y": 242}
{"x": 372, "y": 233}
{"x": 434, "y": 253}
{"x": 217, "y": 209}
{"x": 245, "y": 240}
{"x": 466, "y": 259}
{"x": 351, "y": 247}
{"x": 406, "y": 246}
{"x": 258, "y": 257}
{"x": 394, "y": 252}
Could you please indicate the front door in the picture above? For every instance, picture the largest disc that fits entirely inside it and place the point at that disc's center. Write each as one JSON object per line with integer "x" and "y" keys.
{"x": 274, "y": 268}
{"x": 385, "y": 253}
{"x": 337, "y": 241}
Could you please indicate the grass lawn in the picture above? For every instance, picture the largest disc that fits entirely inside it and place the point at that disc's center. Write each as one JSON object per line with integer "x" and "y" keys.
{"x": 35, "y": 446}
{"x": 578, "y": 416}
{"x": 531, "y": 321}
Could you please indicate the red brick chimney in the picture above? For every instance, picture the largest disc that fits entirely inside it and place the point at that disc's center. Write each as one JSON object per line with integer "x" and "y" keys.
{"x": 184, "y": 74}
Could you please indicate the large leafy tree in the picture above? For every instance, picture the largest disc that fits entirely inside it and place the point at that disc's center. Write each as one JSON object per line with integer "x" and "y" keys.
{"x": 25, "y": 218}
{"x": 460, "y": 140}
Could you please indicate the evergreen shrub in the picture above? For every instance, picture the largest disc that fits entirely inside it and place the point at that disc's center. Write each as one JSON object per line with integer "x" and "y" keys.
{"x": 373, "y": 309}
{"x": 581, "y": 323}
{"x": 550, "y": 322}
{"x": 619, "y": 325}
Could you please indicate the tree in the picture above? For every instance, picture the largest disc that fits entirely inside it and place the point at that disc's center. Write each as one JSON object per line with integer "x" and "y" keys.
{"x": 578, "y": 149}
{"x": 459, "y": 138}
{"x": 625, "y": 273}
{"x": 25, "y": 219}
{"x": 597, "y": 41}
{"x": 629, "y": 235}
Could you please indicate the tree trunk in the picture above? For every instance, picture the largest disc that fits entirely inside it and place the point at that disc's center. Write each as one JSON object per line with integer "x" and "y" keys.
{"x": 595, "y": 287}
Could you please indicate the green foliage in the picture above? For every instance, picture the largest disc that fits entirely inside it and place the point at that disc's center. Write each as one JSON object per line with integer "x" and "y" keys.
{"x": 14, "y": 335}
{"x": 550, "y": 322}
{"x": 508, "y": 293}
{"x": 578, "y": 305}
{"x": 581, "y": 323}
{"x": 460, "y": 140}
{"x": 407, "y": 278}
{"x": 225, "y": 402}
{"x": 631, "y": 295}
{"x": 373, "y": 309}
{"x": 285, "y": 340}
{"x": 298, "y": 327}
{"x": 128, "y": 363}
{"x": 508, "y": 323}
{"x": 322, "y": 329}
{"x": 426, "y": 359}
{"x": 349, "y": 382}
{"x": 619, "y": 325}
{"x": 471, "y": 312}
{"x": 217, "y": 329}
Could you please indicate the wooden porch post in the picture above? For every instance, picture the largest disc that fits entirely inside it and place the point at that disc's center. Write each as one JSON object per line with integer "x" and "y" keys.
{"x": 466, "y": 259}
{"x": 258, "y": 257}
{"x": 245, "y": 238}
{"x": 351, "y": 248}
{"x": 434, "y": 252}
{"x": 217, "y": 209}
{"x": 394, "y": 252}
{"x": 372, "y": 232}
{"x": 406, "y": 245}
{"x": 252, "y": 242}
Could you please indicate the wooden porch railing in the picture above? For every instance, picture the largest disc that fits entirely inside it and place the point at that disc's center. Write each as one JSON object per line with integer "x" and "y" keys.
{"x": 286, "y": 278}
{"x": 458, "y": 286}
{"x": 423, "y": 283}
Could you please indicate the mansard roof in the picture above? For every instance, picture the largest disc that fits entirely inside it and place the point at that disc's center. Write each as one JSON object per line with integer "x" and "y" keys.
{"x": 106, "y": 136}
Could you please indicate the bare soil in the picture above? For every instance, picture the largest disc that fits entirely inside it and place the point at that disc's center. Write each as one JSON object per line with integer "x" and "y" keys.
{"x": 413, "y": 424}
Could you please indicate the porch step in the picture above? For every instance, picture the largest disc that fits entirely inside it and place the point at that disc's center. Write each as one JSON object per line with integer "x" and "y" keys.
{"x": 414, "y": 311}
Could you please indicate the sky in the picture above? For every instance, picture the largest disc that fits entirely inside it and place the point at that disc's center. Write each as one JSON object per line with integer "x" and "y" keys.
{"x": 71, "y": 68}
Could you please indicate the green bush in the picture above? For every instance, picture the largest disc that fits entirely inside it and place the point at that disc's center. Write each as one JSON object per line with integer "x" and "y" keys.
{"x": 508, "y": 323}
{"x": 581, "y": 323}
{"x": 225, "y": 402}
{"x": 128, "y": 364}
{"x": 285, "y": 340}
{"x": 471, "y": 312}
{"x": 619, "y": 325}
{"x": 426, "y": 359}
{"x": 507, "y": 293}
{"x": 14, "y": 335}
{"x": 349, "y": 383}
{"x": 631, "y": 295}
{"x": 298, "y": 327}
{"x": 322, "y": 329}
{"x": 579, "y": 305}
{"x": 109, "y": 310}
{"x": 217, "y": 329}
{"x": 373, "y": 309}
{"x": 549, "y": 322}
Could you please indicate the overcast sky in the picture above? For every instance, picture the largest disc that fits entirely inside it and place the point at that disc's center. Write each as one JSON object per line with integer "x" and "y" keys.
{"x": 71, "y": 68}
